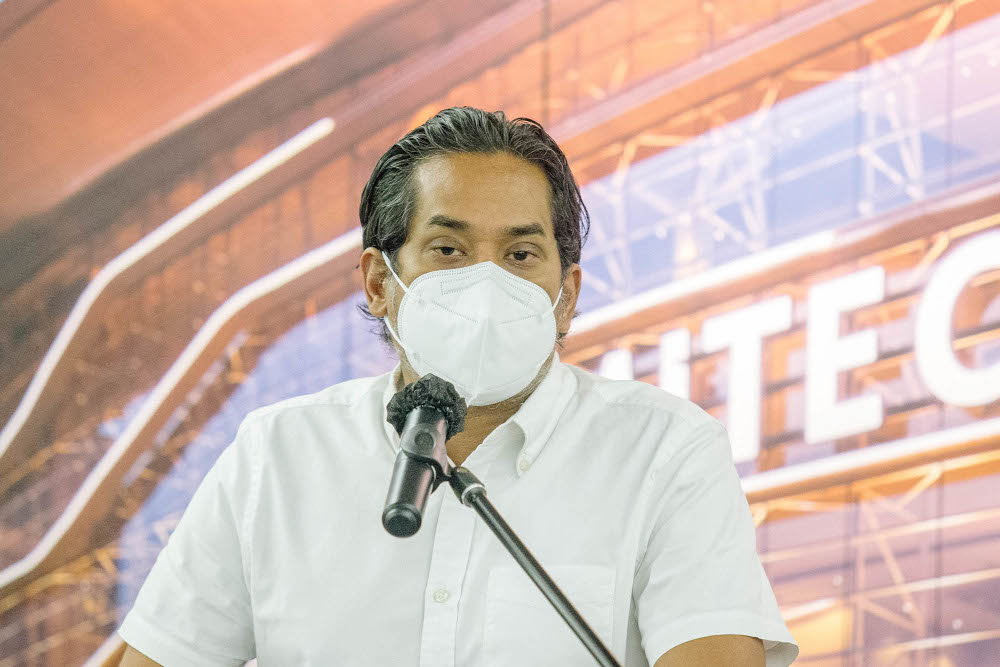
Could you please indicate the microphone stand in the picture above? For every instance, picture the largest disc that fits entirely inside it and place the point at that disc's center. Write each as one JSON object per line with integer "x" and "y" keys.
{"x": 427, "y": 465}
{"x": 472, "y": 493}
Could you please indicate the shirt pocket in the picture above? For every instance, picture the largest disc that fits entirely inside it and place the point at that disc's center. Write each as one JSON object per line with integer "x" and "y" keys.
{"x": 523, "y": 628}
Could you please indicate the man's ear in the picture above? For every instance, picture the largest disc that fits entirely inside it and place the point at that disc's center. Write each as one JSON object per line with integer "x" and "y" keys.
{"x": 571, "y": 293}
{"x": 373, "y": 277}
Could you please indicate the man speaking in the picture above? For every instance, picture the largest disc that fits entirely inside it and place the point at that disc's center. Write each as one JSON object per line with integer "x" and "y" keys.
{"x": 627, "y": 495}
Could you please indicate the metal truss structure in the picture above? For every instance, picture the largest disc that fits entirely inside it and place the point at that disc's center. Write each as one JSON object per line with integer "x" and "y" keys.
{"x": 863, "y": 141}
{"x": 893, "y": 570}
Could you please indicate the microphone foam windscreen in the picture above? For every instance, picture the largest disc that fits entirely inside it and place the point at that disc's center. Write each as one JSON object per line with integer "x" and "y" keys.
{"x": 431, "y": 391}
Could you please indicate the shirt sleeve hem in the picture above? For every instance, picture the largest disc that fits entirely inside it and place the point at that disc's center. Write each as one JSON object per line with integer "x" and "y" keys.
{"x": 160, "y": 647}
{"x": 779, "y": 645}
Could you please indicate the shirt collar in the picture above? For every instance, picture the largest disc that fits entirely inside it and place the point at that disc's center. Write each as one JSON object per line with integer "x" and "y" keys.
{"x": 537, "y": 417}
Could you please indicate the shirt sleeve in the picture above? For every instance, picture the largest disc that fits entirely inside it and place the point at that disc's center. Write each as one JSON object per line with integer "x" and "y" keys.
{"x": 194, "y": 607}
{"x": 700, "y": 574}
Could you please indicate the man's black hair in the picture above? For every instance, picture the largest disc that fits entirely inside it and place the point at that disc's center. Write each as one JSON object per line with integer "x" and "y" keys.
{"x": 389, "y": 198}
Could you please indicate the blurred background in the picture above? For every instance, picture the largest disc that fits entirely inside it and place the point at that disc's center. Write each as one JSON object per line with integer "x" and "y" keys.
{"x": 796, "y": 214}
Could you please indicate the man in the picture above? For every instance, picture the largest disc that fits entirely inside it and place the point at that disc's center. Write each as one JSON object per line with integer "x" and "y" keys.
{"x": 626, "y": 494}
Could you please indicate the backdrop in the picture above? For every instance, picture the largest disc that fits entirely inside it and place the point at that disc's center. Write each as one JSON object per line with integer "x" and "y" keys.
{"x": 796, "y": 223}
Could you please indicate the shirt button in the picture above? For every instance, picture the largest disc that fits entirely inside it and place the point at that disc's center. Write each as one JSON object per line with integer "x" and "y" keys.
{"x": 441, "y": 595}
{"x": 524, "y": 464}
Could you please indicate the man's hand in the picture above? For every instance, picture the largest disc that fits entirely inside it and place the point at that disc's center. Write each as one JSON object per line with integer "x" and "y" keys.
{"x": 715, "y": 651}
{"x": 133, "y": 658}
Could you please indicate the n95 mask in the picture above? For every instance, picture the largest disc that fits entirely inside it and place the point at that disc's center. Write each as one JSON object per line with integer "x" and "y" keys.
{"x": 482, "y": 328}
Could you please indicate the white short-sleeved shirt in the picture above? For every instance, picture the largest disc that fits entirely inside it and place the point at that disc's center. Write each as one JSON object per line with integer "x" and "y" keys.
{"x": 626, "y": 494}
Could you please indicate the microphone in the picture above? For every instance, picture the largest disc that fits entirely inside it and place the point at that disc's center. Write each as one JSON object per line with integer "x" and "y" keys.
{"x": 425, "y": 414}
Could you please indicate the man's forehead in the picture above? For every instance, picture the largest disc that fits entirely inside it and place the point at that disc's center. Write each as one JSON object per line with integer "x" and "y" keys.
{"x": 469, "y": 192}
{"x": 452, "y": 164}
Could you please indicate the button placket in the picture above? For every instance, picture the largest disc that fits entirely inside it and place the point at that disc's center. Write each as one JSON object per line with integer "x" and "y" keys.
{"x": 449, "y": 561}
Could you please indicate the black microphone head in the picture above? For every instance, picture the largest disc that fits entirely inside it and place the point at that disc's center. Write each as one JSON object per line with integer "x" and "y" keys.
{"x": 401, "y": 521}
{"x": 430, "y": 391}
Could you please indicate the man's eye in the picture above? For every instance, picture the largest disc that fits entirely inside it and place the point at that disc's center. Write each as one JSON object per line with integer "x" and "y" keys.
{"x": 445, "y": 250}
{"x": 521, "y": 255}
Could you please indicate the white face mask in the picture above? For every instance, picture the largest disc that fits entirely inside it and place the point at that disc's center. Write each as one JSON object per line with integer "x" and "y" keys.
{"x": 482, "y": 328}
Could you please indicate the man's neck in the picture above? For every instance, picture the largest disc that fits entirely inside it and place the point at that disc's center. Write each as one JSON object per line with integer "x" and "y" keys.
{"x": 477, "y": 427}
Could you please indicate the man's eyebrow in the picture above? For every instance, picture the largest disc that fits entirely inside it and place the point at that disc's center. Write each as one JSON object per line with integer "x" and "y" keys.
{"x": 440, "y": 220}
{"x": 524, "y": 230}
{"x": 449, "y": 222}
